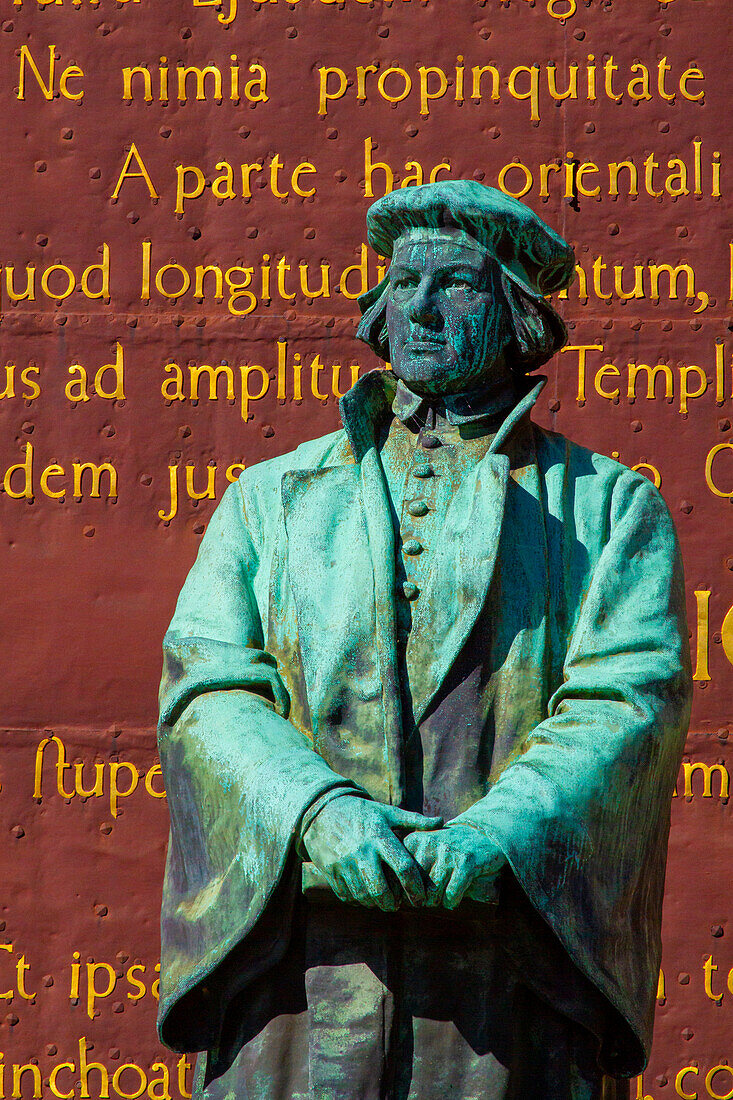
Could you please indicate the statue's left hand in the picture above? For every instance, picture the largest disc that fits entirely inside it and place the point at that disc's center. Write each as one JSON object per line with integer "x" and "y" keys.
{"x": 455, "y": 859}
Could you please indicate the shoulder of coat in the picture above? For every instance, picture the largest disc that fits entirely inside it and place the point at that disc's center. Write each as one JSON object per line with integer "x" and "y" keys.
{"x": 592, "y": 476}
{"x": 552, "y": 447}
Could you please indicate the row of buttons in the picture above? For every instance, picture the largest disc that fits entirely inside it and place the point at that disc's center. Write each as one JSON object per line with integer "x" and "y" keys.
{"x": 417, "y": 508}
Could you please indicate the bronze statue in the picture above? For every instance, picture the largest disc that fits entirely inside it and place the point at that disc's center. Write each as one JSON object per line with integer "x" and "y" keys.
{"x": 425, "y": 694}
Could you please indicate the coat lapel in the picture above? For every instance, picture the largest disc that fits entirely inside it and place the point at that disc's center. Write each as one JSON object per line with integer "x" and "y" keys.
{"x": 364, "y": 410}
{"x": 341, "y": 558}
{"x": 462, "y": 569}
{"x": 463, "y": 565}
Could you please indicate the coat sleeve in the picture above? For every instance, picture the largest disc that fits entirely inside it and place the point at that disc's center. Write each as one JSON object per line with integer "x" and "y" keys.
{"x": 582, "y": 811}
{"x": 239, "y": 778}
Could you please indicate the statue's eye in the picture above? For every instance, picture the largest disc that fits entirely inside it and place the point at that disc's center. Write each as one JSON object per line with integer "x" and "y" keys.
{"x": 401, "y": 282}
{"x": 460, "y": 282}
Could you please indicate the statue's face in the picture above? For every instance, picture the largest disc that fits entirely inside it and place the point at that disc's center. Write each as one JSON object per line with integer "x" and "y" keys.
{"x": 447, "y": 318}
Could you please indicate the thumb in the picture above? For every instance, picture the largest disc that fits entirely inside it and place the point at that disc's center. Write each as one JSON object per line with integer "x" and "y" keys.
{"x": 406, "y": 819}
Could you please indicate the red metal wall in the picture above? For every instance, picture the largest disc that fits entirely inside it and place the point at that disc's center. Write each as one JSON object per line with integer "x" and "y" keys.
{"x": 89, "y": 582}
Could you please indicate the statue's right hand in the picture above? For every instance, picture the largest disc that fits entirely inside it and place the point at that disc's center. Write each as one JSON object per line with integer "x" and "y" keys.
{"x": 353, "y": 842}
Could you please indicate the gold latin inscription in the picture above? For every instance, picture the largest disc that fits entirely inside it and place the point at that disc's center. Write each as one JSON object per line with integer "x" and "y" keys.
{"x": 115, "y": 780}
{"x": 634, "y": 381}
{"x": 539, "y": 85}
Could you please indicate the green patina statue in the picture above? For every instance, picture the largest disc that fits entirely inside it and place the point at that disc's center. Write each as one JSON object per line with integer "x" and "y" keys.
{"x": 424, "y": 698}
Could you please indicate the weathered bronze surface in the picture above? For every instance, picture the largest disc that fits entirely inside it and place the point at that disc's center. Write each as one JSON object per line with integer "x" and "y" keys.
{"x": 425, "y": 696}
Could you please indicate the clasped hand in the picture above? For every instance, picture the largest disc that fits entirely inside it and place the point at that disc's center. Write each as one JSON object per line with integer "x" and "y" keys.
{"x": 356, "y": 845}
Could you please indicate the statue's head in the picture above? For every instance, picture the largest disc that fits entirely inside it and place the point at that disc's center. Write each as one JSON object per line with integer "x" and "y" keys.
{"x": 464, "y": 297}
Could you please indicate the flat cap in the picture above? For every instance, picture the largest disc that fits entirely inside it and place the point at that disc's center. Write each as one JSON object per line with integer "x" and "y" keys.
{"x": 529, "y": 250}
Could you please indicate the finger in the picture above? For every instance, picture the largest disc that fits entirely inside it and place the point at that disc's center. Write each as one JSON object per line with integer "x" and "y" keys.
{"x": 406, "y": 819}
{"x": 439, "y": 875}
{"x": 424, "y": 850}
{"x": 406, "y": 869}
{"x": 341, "y": 886}
{"x": 459, "y": 882}
{"x": 419, "y": 845}
{"x": 371, "y": 886}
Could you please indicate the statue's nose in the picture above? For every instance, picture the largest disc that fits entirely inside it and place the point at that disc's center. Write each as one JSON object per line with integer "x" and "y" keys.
{"x": 423, "y": 306}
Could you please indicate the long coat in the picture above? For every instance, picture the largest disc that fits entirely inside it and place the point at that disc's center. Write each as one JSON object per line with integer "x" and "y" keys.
{"x": 281, "y": 681}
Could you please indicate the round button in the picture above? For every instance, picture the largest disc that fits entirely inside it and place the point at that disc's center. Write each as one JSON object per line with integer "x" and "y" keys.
{"x": 410, "y": 591}
{"x": 430, "y": 441}
{"x": 412, "y": 546}
{"x": 418, "y": 508}
{"x": 423, "y": 471}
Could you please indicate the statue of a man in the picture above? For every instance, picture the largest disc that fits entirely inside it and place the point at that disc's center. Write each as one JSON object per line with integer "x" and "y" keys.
{"x": 425, "y": 694}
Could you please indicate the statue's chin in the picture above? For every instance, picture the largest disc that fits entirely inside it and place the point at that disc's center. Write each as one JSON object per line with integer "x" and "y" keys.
{"x": 425, "y": 376}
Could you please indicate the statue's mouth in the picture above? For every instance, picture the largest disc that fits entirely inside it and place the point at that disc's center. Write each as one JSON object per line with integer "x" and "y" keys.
{"x": 422, "y": 344}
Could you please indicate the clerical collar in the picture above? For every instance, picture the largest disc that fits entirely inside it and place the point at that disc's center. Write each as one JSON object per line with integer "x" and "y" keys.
{"x": 418, "y": 411}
